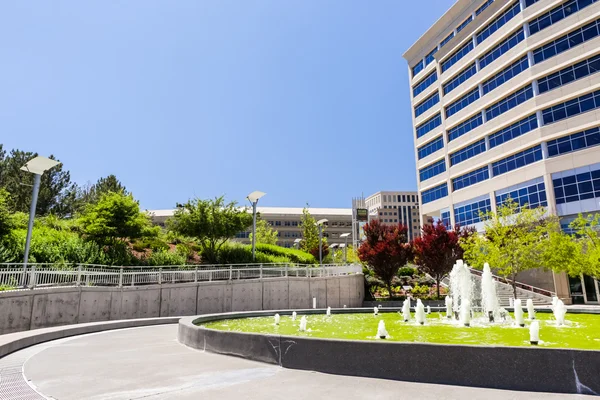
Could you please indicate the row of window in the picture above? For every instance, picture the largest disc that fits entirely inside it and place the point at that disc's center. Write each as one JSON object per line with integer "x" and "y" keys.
{"x": 464, "y": 24}
{"x": 431, "y": 147}
{"x": 460, "y": 78}
{"x": 457, "y": 55}
{"x": 571, "y": 108}
{"x": 427, "y": 104}
{"x": 569, "y": 74}
{"x": 462, "y": 102}
{"x": 557, "y": 13}
{"x": 498, "y": 22}
{"x": 432, "y": 170}
{"x": 465, "y": 127}
{"x": 574, "y": 142}
{"x": 471, "y": 178}
{"x": 467, "y": 152}
{"x": 567, "y": 41}
{"x": 470, "y": 214}
{"x": 577, "y": 187}
{"x": 505, "y": 75}
{"x": 515, "y": 130}
{"x": 509, "y": 102}
{"x": 517, "y": 160}
{"x": 435, "y": 193}
{"x": 483, "y": 7}
{"x": 532, "y": 193}
{"x": 425, "y": 83}
{"x": 429, "y": 125}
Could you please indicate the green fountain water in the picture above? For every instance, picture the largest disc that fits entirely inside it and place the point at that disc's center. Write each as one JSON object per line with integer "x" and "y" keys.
{"x": 581, "y": 331}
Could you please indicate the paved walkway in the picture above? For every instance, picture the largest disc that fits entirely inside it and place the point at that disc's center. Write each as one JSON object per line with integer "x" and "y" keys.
{"x": 149, "y": 363}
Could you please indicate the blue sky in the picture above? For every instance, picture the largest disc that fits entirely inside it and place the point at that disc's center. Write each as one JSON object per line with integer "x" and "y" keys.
{"x": 306, "y": 100}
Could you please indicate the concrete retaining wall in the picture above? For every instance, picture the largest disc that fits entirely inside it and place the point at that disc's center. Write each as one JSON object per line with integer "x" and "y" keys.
{"x": 41, "y": 308}
{"x": 513, "y": 368}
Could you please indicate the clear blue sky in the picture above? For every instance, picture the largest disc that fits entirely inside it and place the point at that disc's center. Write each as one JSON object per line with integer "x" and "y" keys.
{"x": 306, "y": 100}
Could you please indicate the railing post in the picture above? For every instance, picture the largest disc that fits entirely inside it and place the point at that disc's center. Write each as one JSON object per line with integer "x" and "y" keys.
{"x": 160, "y": 276}
{"x": 133, "y": 279}
{"x": 32, "y": 277}
{"x": 121, "y": 277}
{"x": 79, "y": 275}
{"x": 307, "y": 274}
{"x": 196, "y": 275}
{"x": 286, "y": 270}
{"x": 231, "y": 272}
{"x": 260, "y": 274}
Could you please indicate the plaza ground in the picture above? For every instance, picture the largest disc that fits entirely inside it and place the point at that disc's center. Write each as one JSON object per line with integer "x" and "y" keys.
{"x": 150, "y": 363}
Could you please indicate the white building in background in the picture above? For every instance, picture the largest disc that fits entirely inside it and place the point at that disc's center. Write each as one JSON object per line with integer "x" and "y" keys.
{"x": 286, "y": 221}
{"x": 506, "y": 102}
{"x": 396, "y": 208}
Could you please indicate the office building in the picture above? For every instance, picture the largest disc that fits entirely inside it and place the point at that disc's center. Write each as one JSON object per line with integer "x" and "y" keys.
{"x": 395, "y": 208}
{"x": 506, "y": 103}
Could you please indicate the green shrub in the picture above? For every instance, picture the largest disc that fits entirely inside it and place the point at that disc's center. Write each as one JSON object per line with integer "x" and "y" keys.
{"x": 164, "y": 257}
{"x": 296, "y": 256}
{"x": 238, "y": 253}
{"x": 407, "y": 271}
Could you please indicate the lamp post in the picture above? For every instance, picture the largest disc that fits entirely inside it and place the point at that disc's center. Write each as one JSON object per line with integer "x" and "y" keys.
{"x": 37, "y": 167}
{"x": 297, "y": 242}
{"x": 320, "y": 224}
{"x": 345, "y": 236}
{"x": 253, "y": 199}
{"x": 333, "y": 247}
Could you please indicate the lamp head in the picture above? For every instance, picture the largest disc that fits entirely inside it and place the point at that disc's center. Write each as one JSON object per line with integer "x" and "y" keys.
{"x": 39, "y": 165}
{"x": 254, "y": 196}
{"x": 322, "y": 221}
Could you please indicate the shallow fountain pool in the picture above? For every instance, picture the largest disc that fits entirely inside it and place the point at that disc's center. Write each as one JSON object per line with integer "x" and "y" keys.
{"x": 581, "y": 331}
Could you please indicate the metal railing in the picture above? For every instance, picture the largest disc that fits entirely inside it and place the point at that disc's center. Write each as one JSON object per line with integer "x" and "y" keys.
{"x": 36, "y": 276}
{"x": 520, "y": 285}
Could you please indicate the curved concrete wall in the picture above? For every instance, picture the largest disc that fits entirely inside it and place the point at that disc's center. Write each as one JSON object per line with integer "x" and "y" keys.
{"x": 527, "y": 368}
{"x": 41, "y": 308}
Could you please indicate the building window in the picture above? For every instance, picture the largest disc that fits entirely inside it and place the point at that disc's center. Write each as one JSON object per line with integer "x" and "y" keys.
{"x": 517, "y": 160}
{"x": 277, "y": 223}
{"x": 457, "y": 55}
{"x": 532, "y": 193}
{"x": 425, "y": 83}
{"x": 429, "y": 125}
{"x": 574, "y": 142}
{"x": 465, "y": 127}
{"x": 470, "y": 214}
{"x": 404, "y": 198}
{"x": 430, "y": 147}
{"x": 467, "y": 152}
{"x": 515, "y": 130}
{"x": 572, "y": 108}
{"x": 530, "y": 2}
{"x": 462, "y": 102}
{"x": 429, "y": 57}
{"x": 445, "y": 217}
{"x": 413, "y": 197}
{"x": 569, "y": 74}
{"x": 577, "y": 187}
{"x": 432, "y": 170}
{"x": 471, "y": 178}
{"x": 446, "y": 40}
{"x": 557, "y": 14}
{"x": 427, "y": 104}
{"x": 502, "y": 48}
{"x": 460, "y": 78}
{"x": 505, "y": 75}
{"x": 566, "y": 42}
{"x": 508, "y": 103}
{"x": 434, "y": 193}
{"x": 418, "y": 68}
{"x": 498, "y": 22}
{"x": 483, "y": 7}
{"x": 464, "y": 24}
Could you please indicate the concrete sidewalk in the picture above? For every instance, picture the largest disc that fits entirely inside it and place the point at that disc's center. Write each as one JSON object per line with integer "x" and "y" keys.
{"x": 150, "y": 363}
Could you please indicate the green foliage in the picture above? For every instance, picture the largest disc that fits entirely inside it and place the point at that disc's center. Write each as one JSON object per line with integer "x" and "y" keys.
{"x": 212, "y": 222}
{"x": 238, "y": 253}
{"x": 294, "y": 255}
{"x": 165, "y": 257}
{"x": 6, "y": 219}
{"x": 152, "y": 243}
{"x": 407, "y": 271}
{"x": 265, "y": 233}
{"x": 115, "y": 217}
{"x": 579, "y": 254}
{"x": 310, "y": 234}
{"x": 514, "y": 241}
{"x": 420, "y": 291}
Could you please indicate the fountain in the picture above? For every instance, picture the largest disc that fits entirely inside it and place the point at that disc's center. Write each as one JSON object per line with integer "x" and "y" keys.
{"x": 381, "y": 331}
{"x": 277, "y": 318}
{"x": 461, "y": 288}
{"x": 559, "y": 312}
{"x": 489, "y": 299}
{"x": 534, "y": 333}
{"x": 406, "y": 310}
{"x": 520, "y": 320}
{"x": 503, "y": 313}
{"x": 420, "y": 312}
{"x": 554, "y": 300}
{"x": 530, "y": 310}
{"x": 294, "y": 315}
{"x": 448, "y": 306}
{"x": 303, "y": 324}
{"x": 428, "y": 310}
{"x": 314, "y": 302}
{"x": 465, "y": 313}
{"x": 375, "y": 311}
{"x": 329, "y": 311}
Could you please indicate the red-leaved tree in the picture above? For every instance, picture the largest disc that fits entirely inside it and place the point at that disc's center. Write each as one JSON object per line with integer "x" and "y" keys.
{"x": 385, "y": 250}
{"x": 438, "y": 248}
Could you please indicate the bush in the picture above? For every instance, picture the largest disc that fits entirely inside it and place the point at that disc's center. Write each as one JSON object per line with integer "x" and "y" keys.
{"x": 296, "y": 256}
{"x": 164, "y": 257}
{"x": 237, "y": 253}
{"x": 407, "y": 271}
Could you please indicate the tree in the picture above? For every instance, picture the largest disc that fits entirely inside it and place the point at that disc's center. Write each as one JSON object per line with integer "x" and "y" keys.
{"x": 438, "y": 248}
{"x": 517, "y": 238}
{"x": 90, "y": 193}
{"x": 6, "y": 219}
{"x": 212, "y": 222}
{"x": 265, "y": 233}
{"x": 579, "y": 254}
{"x": 310, "y": 235}
{"x": 56, "y": 188}
{"x": 385, "y": 250}
{"x": 115, "y": 218}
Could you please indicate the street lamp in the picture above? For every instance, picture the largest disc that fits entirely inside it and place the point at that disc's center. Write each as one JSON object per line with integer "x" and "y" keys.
{"x": 333, "y": 247}
{"x": 297, "y": 242}
{"x": 253, "y": 199}
{"x": 345, "y": 236}
{"x": 320, "y": 224}
{"x": 37, "y": 167}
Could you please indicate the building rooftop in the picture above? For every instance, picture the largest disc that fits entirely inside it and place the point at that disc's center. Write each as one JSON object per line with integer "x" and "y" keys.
{"x": 275, "y": 211}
